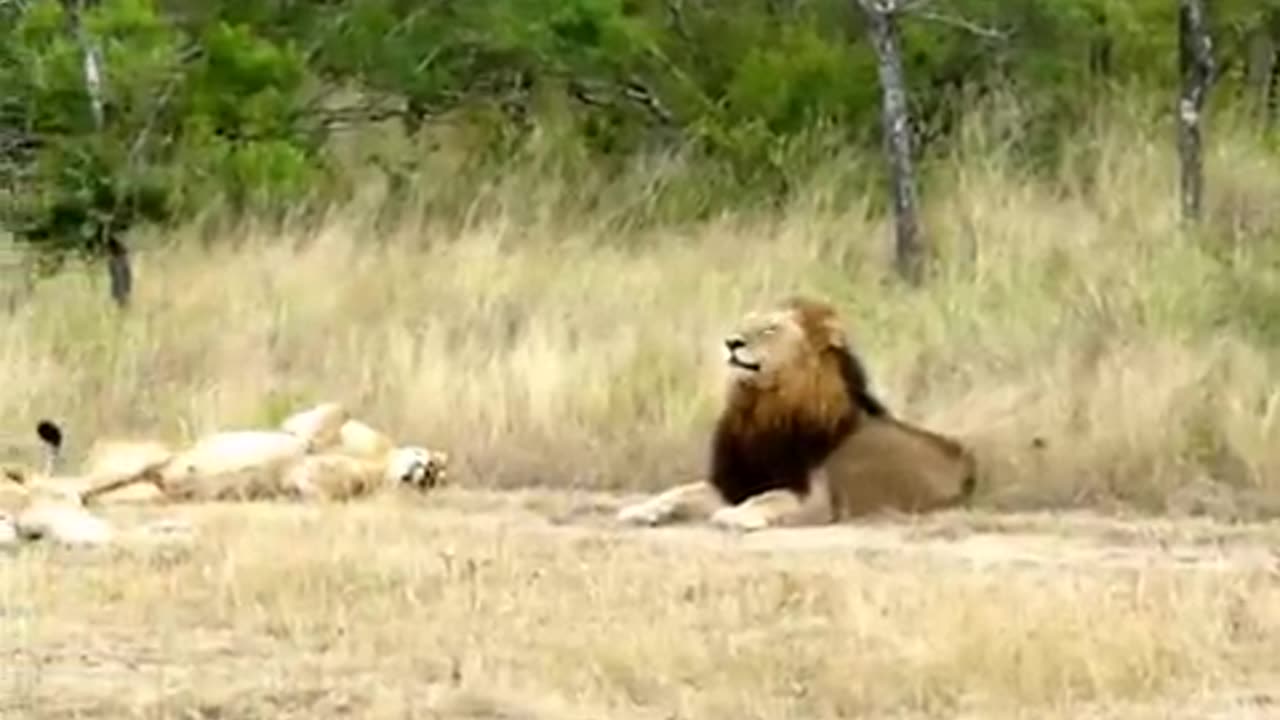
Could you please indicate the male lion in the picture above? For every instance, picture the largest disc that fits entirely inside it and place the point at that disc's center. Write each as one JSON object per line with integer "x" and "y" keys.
{"x": 801, "y": 440}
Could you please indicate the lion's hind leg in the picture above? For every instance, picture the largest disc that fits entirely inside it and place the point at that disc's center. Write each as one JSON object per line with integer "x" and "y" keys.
{"x": 682, "y": 502}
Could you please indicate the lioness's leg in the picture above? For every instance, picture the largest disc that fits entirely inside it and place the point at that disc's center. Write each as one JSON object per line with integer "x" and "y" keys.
{"x": 682, "y": 502}
{"x": 779, "y": 508}
{"x": 111, "y": 484}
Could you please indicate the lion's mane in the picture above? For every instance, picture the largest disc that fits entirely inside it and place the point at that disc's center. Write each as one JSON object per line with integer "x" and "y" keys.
{"x": 772, "y": 437}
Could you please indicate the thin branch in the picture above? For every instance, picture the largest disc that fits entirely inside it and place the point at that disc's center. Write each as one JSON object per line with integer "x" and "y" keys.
{"x": 140, "y": 142}
{"x": 675, "y": 18}
{"x": 640, "y": 93}
{"x": 960, "y": 23}
{"x": 349, "y": 117}
{"x": 601, "y": 94}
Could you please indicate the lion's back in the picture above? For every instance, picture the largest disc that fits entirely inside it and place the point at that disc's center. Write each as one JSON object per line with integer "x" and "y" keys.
{"x": 888, "y": 464}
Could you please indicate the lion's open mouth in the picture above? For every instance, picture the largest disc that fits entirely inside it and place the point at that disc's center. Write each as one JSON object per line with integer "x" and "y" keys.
{"x": 737, "y": 362}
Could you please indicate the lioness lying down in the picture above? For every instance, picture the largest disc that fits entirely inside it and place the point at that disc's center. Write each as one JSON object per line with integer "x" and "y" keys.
{"x": 320, "y": 454}
{"x": 46, "y": 506}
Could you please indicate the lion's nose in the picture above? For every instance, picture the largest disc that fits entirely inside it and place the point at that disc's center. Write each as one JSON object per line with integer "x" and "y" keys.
{"x": 735, "y": 343}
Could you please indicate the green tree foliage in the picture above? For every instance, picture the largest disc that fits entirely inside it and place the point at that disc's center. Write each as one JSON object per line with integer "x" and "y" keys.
{"x": 238, "y": 100}
{"x": 186, "y": 114}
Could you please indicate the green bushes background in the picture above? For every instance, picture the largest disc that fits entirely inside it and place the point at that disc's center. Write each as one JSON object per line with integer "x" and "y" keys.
{"x": 280, "y": 106}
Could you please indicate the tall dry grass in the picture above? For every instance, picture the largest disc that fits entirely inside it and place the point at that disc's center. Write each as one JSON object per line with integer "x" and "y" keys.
{"x": 552, "y": 347}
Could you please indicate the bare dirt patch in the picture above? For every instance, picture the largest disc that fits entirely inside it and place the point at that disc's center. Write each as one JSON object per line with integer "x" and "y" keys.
{"x": 532, "y": 604}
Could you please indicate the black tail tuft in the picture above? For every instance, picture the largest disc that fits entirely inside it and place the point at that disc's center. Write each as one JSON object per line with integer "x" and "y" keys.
{"x": 50, "y": 433}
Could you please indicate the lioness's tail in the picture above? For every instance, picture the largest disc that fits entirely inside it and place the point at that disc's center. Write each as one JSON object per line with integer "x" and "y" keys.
{"x": 51, "y": 435}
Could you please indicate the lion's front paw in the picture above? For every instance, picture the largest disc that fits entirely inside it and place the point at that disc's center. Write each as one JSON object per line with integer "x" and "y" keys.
{"x": 648, "y": 513}
{"x": 739, "y": 519}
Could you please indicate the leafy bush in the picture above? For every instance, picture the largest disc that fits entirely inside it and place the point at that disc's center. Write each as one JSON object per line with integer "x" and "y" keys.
{"x": 238, "y": 104}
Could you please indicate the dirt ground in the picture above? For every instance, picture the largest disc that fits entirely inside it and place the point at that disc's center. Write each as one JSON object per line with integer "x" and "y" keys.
{"x": 533, "y": 604}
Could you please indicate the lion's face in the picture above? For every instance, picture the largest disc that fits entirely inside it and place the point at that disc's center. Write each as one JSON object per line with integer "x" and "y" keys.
{"x": 767, "y": 345}
{"x": 417, "y": 467}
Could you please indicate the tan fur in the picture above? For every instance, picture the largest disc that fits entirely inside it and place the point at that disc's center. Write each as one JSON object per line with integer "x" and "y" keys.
{"x": 36, "y": 506}
{"x": 357, "y": 439}
{"x": 320, "y": 427}
{"x": 891, "y": 465}
{"x": 22, "y": 485}
{"x": 802, "y": 441}
{"x": 61, "y": 522}
{"x": 355, "y": 460}
{"x": 336, "y": 477}
{"x": 318, "y": 454}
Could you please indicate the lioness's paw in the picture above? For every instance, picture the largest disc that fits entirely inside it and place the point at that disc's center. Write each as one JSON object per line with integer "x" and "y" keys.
{"x": 644, "y": 513}
{"x": 739, "y": 519}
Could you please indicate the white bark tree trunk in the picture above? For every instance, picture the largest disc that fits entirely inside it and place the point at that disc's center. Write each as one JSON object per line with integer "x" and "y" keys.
{"x": 1195, "y": 60}
{"x": 91, "y": 60}
{"x": 882, "y": 29}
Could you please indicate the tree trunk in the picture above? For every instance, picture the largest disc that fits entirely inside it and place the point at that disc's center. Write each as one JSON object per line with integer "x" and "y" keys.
{"x": 1272, "y": 106}
{"x": 882, "y": 26}
{"x": 90, "y": 60}
{"x": 1272, "y": 95}
{"x": 1195, "y": 60}
{"x": 1100, "y": 46}
{"x": 1260, "y": 57}
{"x": 119, "y": 271}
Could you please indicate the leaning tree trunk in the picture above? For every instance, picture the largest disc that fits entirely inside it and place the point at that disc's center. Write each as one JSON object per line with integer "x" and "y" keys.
{"x": 1195, "y": 60}
{"x": 882, "y": 27}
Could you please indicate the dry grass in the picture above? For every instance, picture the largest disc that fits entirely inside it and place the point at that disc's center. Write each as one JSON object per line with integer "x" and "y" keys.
{"x": 476, "y": 606}
{"x": 553, "y": 351}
